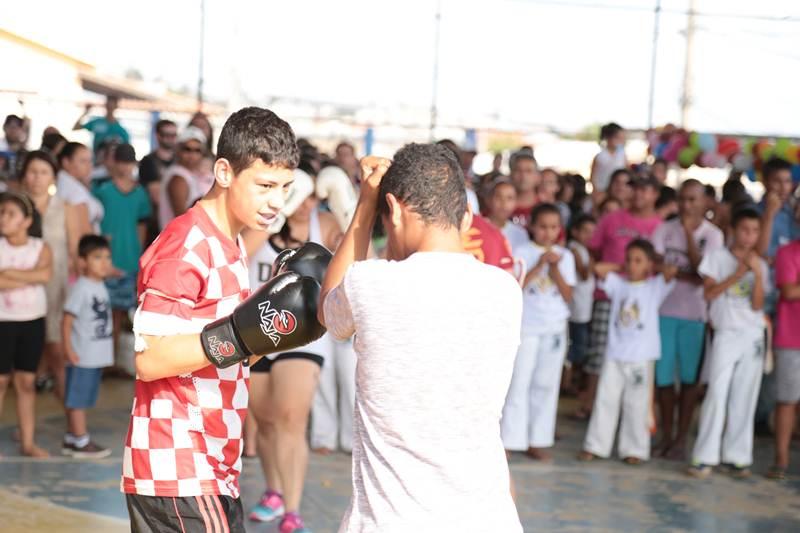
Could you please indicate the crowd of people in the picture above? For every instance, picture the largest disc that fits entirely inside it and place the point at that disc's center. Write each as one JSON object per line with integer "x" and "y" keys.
{"x": 644, "y": 301}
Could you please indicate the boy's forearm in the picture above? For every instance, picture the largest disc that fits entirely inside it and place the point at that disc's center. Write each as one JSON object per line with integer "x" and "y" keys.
{"x": 563, "y": 288}
{"x": 353, "y": 247}
{"x": 757, "y": 298}
{"x": 715, "y": 290}
{"x": 170, "y": 356}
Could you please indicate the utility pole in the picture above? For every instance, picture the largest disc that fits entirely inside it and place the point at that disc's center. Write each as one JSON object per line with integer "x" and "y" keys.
{"x": 686, "y": 96}
{"x": 435, "y": 88}
{"x": 653, "y": 58}
{"x": 202, "y": 54}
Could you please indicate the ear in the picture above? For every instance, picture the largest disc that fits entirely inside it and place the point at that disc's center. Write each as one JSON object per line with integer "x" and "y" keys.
{"x": 466, "y": 220}
{"x": 395, "y": 209}
{"x": 223, "y": 173}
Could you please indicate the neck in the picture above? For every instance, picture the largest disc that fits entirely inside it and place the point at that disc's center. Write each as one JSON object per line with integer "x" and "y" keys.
{"x": 740, "y": 251}
{"x": 642, "y": 213}
{"x": 215, "y": 205}
{"x": 439, "y": 240}
{"x": 500, "y": 222}
{"x": 692, "y": 221}
{"x": 17, "y": 239}
{"x": 164, "y": 153}
{"x": 110, "y": 117}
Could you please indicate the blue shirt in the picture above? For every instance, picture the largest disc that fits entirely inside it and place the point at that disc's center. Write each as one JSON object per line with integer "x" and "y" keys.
{"x": 104, "y": 130}
{"x": 784, "y": 228}
{"x": 124, "y": 212}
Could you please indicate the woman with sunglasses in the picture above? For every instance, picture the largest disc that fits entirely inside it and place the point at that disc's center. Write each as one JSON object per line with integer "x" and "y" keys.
{"x": 180, "y": 187}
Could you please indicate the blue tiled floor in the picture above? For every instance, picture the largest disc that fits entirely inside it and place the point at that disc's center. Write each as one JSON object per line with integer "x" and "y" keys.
{"x": 563, "y": 496}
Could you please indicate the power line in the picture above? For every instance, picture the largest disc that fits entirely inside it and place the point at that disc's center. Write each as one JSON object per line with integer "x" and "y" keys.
{"x": 649, "y": 9}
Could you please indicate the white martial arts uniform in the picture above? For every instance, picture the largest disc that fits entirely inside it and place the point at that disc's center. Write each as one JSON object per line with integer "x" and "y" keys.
{"x": 529, "y": 414}
{"x": 735, "y": 368}
{"x": 332, "y": 410}
{"x": 627, "y": 374}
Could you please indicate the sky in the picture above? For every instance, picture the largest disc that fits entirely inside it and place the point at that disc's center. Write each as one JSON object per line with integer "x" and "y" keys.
{"x": 562, "y": 64}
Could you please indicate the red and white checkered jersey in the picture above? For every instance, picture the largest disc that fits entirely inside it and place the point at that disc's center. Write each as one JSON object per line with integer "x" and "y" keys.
{"x": 185, "y": 434}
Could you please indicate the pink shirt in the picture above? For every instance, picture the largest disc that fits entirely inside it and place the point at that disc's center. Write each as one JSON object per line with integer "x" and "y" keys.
{"x": 669, "y": 239}
{"x": 615, "y": 231}
{"x": 787, "y": 271}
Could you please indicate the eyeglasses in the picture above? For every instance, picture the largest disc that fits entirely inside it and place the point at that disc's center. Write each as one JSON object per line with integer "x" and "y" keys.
{"x": 191, "y": 150}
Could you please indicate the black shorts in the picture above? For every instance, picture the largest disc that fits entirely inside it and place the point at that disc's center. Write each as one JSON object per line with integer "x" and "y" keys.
{"x": 265, "y": 365}
{"x": 160, "y": 514}
{"x": 22, "y": 344}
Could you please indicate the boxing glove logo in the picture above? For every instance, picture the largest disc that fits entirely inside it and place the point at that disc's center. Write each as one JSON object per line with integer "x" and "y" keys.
{"x": 275, "y": 323}
{"x": 220, "y": 349}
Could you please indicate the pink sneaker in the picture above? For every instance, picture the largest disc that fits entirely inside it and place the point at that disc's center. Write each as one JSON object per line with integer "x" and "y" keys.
{"x": 270, "y": 507}
{"x": 292, "y": 523}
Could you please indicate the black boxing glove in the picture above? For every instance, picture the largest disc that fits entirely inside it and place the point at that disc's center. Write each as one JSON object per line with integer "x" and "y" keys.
{"x": 279, "y": 316}
{"x": 310, "y": 260}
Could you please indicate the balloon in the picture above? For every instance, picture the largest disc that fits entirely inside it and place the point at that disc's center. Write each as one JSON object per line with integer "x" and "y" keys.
{"x": 694, "y": 139}
{"x": 762, "y": 150}
{"x": 727, "y": 147}
{"x": 782, "y": 147}
{"x": 687, "y": 156}
{"x": 710, "y": 160}
{"x": 671, "y": 151}
{"x": 742, "y": 162}
{"x": 796, "y": 173}
{"x": 707, "y": 142}
{"x": 660, "y": 149}
{"x": 747, "y": 146}
{"x": 793, "y": 155}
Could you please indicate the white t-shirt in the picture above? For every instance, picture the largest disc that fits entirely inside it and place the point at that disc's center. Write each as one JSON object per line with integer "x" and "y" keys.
{"x": 633, "y": 330}
{"x": 605, "y": 163}
{"x": 88, "y": 302}
{"x": 580, "y": 308}
{"x": 733, "y": 309}
{"x": 669, "y": 240}
{"x": 73, "y": 192}
{"x": 516, "y": 235}
{"x": 543, "y": 308}
{"x": 436, "y": 338}
{"x": 165, "y": 212}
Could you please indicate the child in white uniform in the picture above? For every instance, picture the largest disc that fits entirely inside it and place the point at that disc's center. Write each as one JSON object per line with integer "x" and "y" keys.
{"x": 529, "y": 415}
{"x": 633, "y": 344}
{"x": 735, "y": 281}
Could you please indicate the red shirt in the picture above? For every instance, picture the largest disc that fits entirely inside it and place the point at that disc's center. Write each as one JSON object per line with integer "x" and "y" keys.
{"x": 185, "y": 433}
{"x": 488, "y": 244}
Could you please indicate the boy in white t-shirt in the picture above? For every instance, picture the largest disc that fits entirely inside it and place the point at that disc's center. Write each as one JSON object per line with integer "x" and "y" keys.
{"x": 580, "y": 308}
{"x": 529, "y": 415}
{"x": 633, "y": 344}
{"x": 735, "y": 281}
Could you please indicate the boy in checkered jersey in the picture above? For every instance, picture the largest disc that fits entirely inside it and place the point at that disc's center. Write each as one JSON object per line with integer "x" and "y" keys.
{"x": 182, "y": 454}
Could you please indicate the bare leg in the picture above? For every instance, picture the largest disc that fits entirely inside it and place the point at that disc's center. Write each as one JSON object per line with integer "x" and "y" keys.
{"x": 294, "y": 382}
{"x": 5, "y": 379}
{"x": 76, "y": 420}
{"x": 26, "y": 412}
{"x": 586, "y": 398}
{"x": 250, "y": 435}
{"x": 688, "y": 401}
{"x": 666, "y": 404}
{"x": 54, "y": 354}
{"x": 260, "y": 411}
{"x": 784, "y": 424}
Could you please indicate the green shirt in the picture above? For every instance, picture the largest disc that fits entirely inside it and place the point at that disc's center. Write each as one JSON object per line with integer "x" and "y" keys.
{"x": 123, "y": 213}
{"x": 104, "y": 130}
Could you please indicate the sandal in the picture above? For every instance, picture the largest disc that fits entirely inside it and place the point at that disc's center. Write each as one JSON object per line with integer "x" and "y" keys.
{"x": 632, "y": 461}
{"x": 777, "y": 473}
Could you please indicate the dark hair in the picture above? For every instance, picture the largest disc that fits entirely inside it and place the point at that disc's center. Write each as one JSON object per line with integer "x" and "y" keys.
{"x": 497, "y": 182}
{"x": 25, "y": 205}
{"x": 210, "y": 136}
{"x": 666, "y": 195}
{"x": 69, "y": 151}
{"x": 619, "y": 172}
{"x": 520, "y": 156}
{"x": 51, "y": 140}
{"x": 40, "y": 155}
{"x": 13, "y": 118}
{"x": 164, "y": 123}
{"x": 581, "y": 220}
{"x": 773, "y": 166}
{"x": 89, "y": 243}
{"x": 450, "y": 145}
{"x": 643, "y": 245}
{"x": 744, "y": 212}
{"x": 346, "y": 144}
{"x": 543, "y": 209}
{"x": 256, "y": 133}
{"x": 428, "y": 179}
{"x": 733, "y": 191}
{"x": 609, "y": 130}
{"x": 710, "y": 191}
{"x": 660, "y": 161}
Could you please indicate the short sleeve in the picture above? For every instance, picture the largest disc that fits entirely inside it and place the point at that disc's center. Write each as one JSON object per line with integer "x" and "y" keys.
{"x": 708, "y": 267}
{"x": 567, "y": 267}
{"x": 658, "y": 239}
{"x": 786, "y": 271}
{"x": 611, "y": 284}
{"x": 74, "y": 300}
{"x": 92, "y": 124}
{"x": 338, "y": 314}
{"x": 169, "y": 289}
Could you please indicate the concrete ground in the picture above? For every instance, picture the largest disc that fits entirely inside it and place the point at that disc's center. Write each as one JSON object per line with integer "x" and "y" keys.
{"x": 66, "y": 495}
